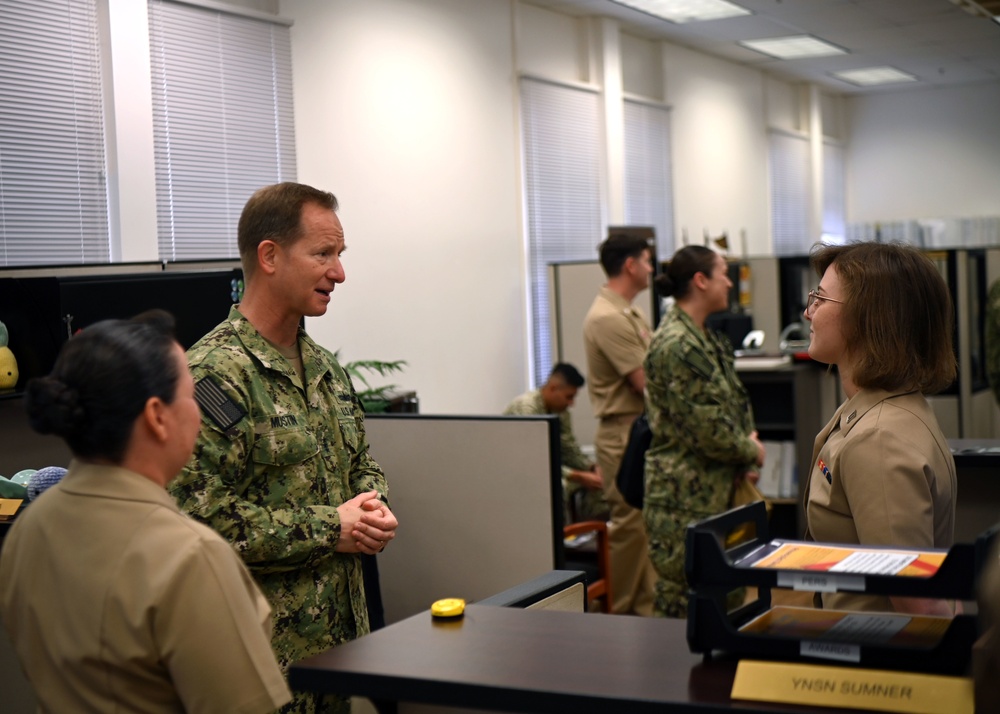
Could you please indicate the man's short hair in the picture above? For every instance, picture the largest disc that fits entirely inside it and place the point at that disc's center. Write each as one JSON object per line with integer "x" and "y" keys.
{"x": 275, "y": 213}
{"x": 618, "y": 248}
{"x": 568, "y": 373}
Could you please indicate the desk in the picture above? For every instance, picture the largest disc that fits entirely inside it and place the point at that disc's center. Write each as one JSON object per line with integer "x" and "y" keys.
{"x": 517, "y": 660}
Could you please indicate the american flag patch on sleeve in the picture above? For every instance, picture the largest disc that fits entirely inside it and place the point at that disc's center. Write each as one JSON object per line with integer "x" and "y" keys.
{"x": 214, "y": 402}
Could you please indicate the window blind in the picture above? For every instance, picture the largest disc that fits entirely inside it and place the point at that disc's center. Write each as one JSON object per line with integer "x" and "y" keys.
{"x": 53, "y": 193}
{"x": 648, "y": 176}
{"x": 790, "y": 194}
{"x": 561, "y": 142}
{"x": 834, "y": 211}
{"x": 222, "y": 120}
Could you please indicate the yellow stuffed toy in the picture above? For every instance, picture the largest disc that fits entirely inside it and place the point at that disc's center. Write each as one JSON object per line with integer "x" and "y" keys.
{"x": 8, "y": 365}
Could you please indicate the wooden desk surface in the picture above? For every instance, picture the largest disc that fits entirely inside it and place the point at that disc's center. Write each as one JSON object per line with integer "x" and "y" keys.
{"x": 532, "y": 661}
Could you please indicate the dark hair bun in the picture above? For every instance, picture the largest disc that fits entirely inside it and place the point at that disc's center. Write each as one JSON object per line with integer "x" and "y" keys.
{"x": 664, "y": 285}
{"x": 53, "y": 407}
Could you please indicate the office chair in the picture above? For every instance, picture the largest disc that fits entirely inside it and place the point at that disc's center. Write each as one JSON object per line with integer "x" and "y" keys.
{"x": 595, "y": 562}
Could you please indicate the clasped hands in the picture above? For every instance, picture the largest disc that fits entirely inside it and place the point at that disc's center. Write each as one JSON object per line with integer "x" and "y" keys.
{"x": 366, "y": 524}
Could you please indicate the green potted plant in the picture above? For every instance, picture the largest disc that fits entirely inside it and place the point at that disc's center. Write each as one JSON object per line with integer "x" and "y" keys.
{"x": 373, "y": 399}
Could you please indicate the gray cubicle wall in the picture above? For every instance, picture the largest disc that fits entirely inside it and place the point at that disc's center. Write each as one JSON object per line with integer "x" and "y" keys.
{"x": 474, "y": 497}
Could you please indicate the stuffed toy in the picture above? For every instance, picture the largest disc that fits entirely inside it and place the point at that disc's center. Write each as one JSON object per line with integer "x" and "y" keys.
{"x": 11, "y": 489}
{"x": 8, "y": 365}
{"x": 44, "y": 478}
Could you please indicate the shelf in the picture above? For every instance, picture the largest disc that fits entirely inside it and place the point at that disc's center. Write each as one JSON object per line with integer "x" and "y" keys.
{"x": 951, "y": 574}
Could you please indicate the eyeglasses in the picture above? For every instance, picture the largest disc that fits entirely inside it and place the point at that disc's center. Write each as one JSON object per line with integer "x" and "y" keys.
{"x": 815, "y": 297}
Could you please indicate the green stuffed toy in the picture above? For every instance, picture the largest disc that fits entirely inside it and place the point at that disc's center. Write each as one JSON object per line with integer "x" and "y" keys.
{"x": 11, "y": 489}
{"x": 8, "y": 365}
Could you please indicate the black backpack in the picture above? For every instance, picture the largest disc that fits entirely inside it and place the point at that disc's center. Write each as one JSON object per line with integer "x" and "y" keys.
{"x": 631, "y": 478}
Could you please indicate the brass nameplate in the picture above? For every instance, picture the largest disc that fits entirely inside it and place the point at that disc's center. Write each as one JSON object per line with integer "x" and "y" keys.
{"x": 871, "y": 689}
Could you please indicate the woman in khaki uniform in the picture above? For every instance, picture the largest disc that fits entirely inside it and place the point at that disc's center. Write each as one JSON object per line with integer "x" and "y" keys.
{"x": 113, "y": 598}
{"x": 881, "y": 470}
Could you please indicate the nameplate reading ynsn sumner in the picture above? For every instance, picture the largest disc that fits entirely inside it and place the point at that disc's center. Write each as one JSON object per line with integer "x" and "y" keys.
{"x": 870, "y": 689}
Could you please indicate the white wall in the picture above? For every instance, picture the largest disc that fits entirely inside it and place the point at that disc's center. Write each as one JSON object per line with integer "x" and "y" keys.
{"x": 924, "y": 154}
{"x": 406, "y": 110}
{"x": 720, "y": 148}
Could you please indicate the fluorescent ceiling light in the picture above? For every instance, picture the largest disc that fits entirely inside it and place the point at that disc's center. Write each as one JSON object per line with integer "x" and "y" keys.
{"x": 875, "y": 75}
{"x": 794, "y": 47}
{"x": 687, "y": 10}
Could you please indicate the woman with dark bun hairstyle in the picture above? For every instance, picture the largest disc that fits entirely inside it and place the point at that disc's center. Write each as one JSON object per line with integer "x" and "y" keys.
{"x": 881, "y": 470}
{"x": 114, "y": 599}
{"x": 704, "y": 439}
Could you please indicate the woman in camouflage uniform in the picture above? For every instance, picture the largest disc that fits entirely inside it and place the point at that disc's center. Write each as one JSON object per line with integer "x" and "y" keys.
{"x": 699, "y": 412}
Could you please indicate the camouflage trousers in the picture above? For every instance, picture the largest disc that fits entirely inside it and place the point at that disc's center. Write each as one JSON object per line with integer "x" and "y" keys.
{"x": 666, "y": 531}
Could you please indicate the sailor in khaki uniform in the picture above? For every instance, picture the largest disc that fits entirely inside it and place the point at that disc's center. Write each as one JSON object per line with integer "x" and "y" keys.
{"x": 114, "y": 599}
{"x": 882, "y": 474}
{"x": 881, "y": 471}
{"x": 616, "y": 336}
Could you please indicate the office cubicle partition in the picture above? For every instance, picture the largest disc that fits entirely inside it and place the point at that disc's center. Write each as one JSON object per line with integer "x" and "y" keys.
{"x": 479, "y": 503}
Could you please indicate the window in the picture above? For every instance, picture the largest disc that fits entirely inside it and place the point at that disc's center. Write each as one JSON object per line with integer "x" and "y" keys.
{"x": 53, "y": 194}
{"x": 648, "y": 183}
{"x": 561, "y": 142}
{"x": 223, "y": 124}
{"x": 790, "y": 184}
{"x": 834, "y": 222}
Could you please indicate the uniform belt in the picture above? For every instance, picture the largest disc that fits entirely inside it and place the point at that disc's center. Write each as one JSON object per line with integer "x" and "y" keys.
{"x": 612, "y": 418}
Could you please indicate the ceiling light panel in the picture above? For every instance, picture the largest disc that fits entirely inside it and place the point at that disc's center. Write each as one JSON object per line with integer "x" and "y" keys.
{"x": 681, "y": 11}
{"x": 872, "y": 76}
{"x": 794, "y": 47}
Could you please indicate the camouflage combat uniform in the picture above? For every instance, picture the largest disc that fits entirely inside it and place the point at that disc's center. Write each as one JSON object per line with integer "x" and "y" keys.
{"x": 590, "y": 502}
{"x": 700, "y": 416}
{"x": 993, "y": 338}
{"x": 270, "y": 467}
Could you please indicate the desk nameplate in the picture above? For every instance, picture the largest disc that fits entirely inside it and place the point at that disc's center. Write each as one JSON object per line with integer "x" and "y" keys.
{"x": 851, "y": 688}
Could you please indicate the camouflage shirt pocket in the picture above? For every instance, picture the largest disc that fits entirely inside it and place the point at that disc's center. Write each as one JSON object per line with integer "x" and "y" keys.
{"x": 284, "y": 447}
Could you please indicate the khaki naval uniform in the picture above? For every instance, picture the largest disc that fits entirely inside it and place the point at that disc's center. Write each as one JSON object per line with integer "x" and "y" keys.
{"x": 117, "y": 602}
{"x": 274, "y": 460}
{"x": 616, "y": 336}
{"x": 881, "y": 474}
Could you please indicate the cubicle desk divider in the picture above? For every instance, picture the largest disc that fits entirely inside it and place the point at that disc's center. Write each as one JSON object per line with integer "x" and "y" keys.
{"x": 479, "y": 503}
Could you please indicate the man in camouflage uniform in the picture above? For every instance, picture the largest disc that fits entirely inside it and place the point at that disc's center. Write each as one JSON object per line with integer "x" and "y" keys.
{"x": 281, "y": 467}
{"x": 582, "y": 480}
{"x": 703, "y": 439}
{"x": 993, "y": 338}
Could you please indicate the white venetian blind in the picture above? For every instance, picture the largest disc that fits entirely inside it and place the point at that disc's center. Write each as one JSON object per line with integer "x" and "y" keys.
{"x": 834, "y": 211}
{"x": 562, "y": 187}
{"x": 53, "y": 194}
{"x": 223, "y": 123}
{"x": 790, "y": 194}
{"x": 648, "y": 178}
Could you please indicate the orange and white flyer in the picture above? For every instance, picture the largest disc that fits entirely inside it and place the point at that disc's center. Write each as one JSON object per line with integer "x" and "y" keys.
{"x": 820, "y": 557}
